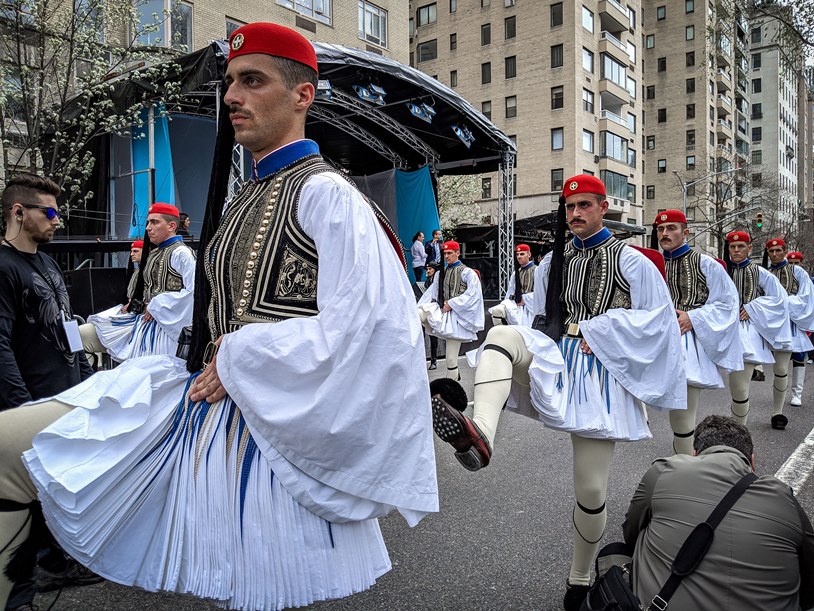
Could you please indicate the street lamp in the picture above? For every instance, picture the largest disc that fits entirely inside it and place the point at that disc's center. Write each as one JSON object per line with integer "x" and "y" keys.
{"x": 687, "y": 185}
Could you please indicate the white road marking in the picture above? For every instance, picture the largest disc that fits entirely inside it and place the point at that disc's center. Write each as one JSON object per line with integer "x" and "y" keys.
{"x": 797, "y": 469}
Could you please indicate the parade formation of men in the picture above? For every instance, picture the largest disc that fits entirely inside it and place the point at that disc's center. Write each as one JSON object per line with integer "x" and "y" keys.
{"x": 253, "y": 470}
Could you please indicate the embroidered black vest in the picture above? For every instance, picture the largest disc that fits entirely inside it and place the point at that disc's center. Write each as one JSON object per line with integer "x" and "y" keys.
{"x": 524, "y": 281}
{"x": 746, "y": 280}
{"x": 686, "y": 281}
{"x": 159, "y": 276}
{"x": 785, "y": 275}
{"x": 592, "y": 281}
{"x": 131, "y": 284}
{"x": 454, "y": 284}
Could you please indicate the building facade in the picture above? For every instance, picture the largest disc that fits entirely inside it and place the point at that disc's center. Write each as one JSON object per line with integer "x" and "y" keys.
{"x": 561, "y": 78}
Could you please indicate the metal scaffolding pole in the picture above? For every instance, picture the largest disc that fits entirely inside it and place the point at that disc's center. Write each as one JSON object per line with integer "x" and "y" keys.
{"x": 505, "y": 222}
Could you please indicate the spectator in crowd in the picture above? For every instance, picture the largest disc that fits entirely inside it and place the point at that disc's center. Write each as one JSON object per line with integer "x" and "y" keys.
{"x": 434, "y": 248}
{"x": 762, "y": 554}
{"x": 432, "y": 269}
{"x": 419, "y": 256}
{"x": 183, "y": 226}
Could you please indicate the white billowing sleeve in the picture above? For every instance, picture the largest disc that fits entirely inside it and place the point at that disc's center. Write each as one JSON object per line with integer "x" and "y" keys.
{"x": 801, "y": 305}
{"x": 431, "y": 294}
{"x": 770, "y": 313}
{"x": 716, "y": 323}
{"x": 468, "y": 306}
{"x": 172, "y": 310}
{"x": 641, "y": 346}
{"x": 339, "y": 402}
{"x": 510, "y": 288}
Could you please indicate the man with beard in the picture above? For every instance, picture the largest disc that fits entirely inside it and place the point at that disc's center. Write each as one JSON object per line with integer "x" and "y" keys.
{"x": 800, "y": 290}
{"x": 706, "y": 304}
{"x": 36, "y": 359}
{"x": 764, "y": 324}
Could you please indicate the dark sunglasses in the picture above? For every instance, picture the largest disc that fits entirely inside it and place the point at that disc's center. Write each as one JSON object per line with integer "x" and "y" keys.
{"x": 50, "y": 213}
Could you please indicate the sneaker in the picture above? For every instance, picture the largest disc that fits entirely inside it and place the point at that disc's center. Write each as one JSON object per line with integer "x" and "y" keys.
{"x": 795, "y": 402}
{"x": 574, "y": 596}
{"x": 74, "y": 575}
{"x": 432, "y": 366}
{"x": 779, "y": 422}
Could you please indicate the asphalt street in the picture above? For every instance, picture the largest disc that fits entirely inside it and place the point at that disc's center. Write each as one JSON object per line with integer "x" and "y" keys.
{"x": 502, "y": 539}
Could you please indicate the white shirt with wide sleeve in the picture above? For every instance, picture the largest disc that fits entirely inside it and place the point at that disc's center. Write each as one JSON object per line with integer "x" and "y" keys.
{"x": 467, "y": 316}
{"x": 801, "y": 311}
{"x": 172, "y": 310}
{"x": 768, "y": 326}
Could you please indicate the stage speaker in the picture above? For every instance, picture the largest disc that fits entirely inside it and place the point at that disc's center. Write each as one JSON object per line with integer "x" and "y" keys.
{"x": 94, "y": 289}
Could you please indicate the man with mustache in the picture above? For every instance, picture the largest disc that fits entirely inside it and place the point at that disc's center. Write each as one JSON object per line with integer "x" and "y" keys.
{"x": 616, "y": 346}
{"x": 517, "y": 308}
{"x": 257, "y": 480}
{"x": 764, "y": 324}
{"x": 706, "y": 305}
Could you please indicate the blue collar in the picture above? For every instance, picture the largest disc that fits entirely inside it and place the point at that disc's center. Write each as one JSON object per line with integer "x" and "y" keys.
{"x": 172, "y": 240}
{"x": 740, "y": 265}
{"x": 456, "y": 264}
{"x": 678, "y": 252}
{"x": 595, "y": 240}
{"x": 282, "y": 157}
{"x": 528, "y": 265}
{"x": 780, "y": 265}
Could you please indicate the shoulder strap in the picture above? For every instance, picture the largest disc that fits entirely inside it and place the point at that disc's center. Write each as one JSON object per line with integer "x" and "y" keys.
{"x": 698, "y": 543}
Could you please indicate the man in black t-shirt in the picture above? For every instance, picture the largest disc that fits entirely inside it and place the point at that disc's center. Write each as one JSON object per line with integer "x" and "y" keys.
{"x": 35, "y": 358}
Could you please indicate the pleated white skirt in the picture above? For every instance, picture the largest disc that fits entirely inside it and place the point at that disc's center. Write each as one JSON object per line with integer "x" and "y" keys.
{"x": 701, "y": 371}
{"x": 127, "y": 336}
{"x": 755, "y": 348}
{"x": 148, "y": 489}
{"x": 448, "y": 325}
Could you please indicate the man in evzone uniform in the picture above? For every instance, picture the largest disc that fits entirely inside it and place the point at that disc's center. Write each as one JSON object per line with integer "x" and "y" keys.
{"x": 764, "y": 328}
{"x": 706, "y": 304}
{"x": 452, "y": 308}
{"x": 167, "y": 281}
{"x": 517, "y": 308}
{"x": 798, "y": 361}
{"x": 800, "y": 292}
{"x": 257, "y": 482}
{"x": 621, "y": 348}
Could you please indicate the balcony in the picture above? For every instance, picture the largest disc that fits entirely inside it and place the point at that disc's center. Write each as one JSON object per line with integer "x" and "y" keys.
{"x": 608, "y": 43}
{"x": 613, "y": 16}
{"x": 606, "y": 117}
{"x": 724, "y": 52}
{"x": 724, "y": 80}
{"x": 723, "y": 129}
{"x": 723, "y": 151}
{"x": 612, "y": 94}
{"x": 614, "y": 165}
{"x": 724, "y": 105}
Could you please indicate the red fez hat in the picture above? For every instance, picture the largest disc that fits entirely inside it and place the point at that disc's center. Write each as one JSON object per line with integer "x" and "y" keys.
{"x": 738, "y": 236}
{"x": 795, "y": 255}
{"x": 272, "y": 39}
{"x": 670, "y": 216}
{"x": 137, "y": 244}
{"x": 775, "y": 242}
{"x": 522, "y": 248}
{"x": 583, "y": 183}
{"x": 451, "y": 245}
{"x": 167, "y": 209}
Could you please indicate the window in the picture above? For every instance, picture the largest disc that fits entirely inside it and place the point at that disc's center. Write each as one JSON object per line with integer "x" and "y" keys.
{"x": 662, "y": 166}
{"x": 757, "y": 134}
{"x": 757, "y": 180}
{"x": 557, "y": 138}
{"x": 662, "y": 64}
{"x": 425, "y": 14}
{"x": 486, "y": 73}
{"x": 757, "y": 85}
{"x": 453, "y": 6}
{"x": 756, "y": 36}
{"x": 587, "y": 101}
{"x": 556, "y": 56}
{"x": 650, "y": 192}
{"x": 485, "y": 34}
{"x": 662, "y": 115}
{"x": 453, "y": 78}
{"x": 486, "y": 188}
{"x": 650, "y": 41}
{"x": 661, "y": 13}
{"x": 613, "y": 146}
{"x": 556, "y": 14}
{"x": 691, "y": 111}
{"x": 510, "y": 27}
{"x": 557, "y": 97}
{"x": 587, "y": 19}
{"x": 587, "y": 60}
{"x": 485, "y": 3}
{"x": 689, "y": 85}
{"x": 511, "y": 106}
{"x": 613, "y": 70}
{"x": 650, "y": 92}
{"x": 373, "y": 22}
{"x": 427, "y": 50}
{"x": 453, "y": 41}
{"x": 757, "y": 157}
{"x": 689, "y": 32}
{"x": 231, "y": 26}
{"x": 615, "y": 184}
{"x": 757, "y": 110}
{"x": 690, "y": 59}
{"x": 557, "y": 178}
{"x": 587, "y": 141}
{"x": 175, "y": 32}
{"x": 651, "y": 143}
{"x": 690, "y": 162}
{"x": 756, "y": 63}
{"x": 511, "y": 66}
{"x": 318, "y": 10}
{"x": 689, "y": 6}
{"x": 631, "y": 87}
{"x": 690, "y": 137}
{"x": 631, "y": 122}
{"x": 486, "y": 109}
{"x": 631, "y": 159}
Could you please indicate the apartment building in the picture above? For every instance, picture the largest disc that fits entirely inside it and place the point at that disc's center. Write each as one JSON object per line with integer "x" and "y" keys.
{"x": 561, "y": 78}
{"x": 805, "y": 164}
{"x": 696, "y": 94}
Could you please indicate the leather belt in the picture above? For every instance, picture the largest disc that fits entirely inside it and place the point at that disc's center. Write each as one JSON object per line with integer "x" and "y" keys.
{"x": 572, "y": 330}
